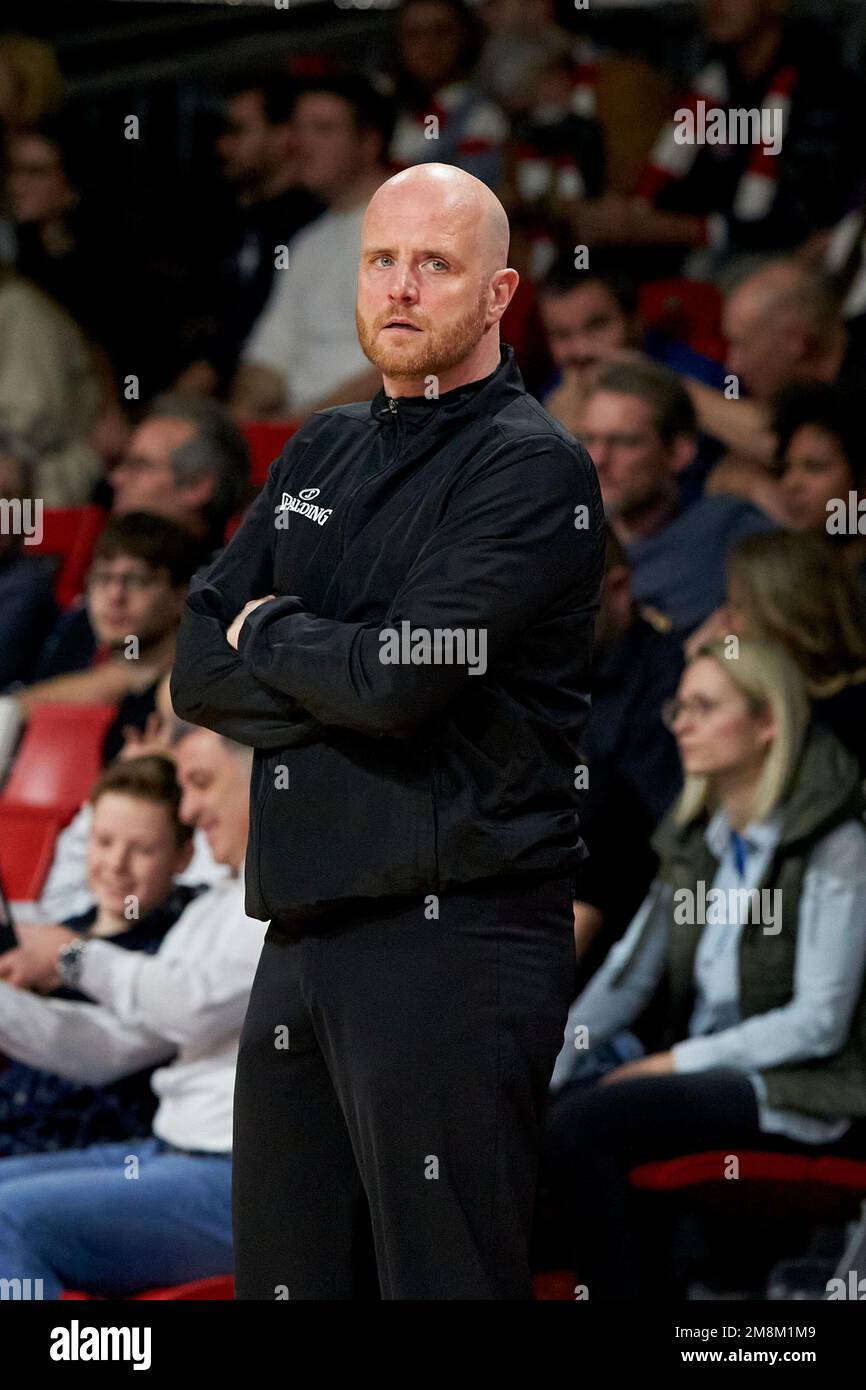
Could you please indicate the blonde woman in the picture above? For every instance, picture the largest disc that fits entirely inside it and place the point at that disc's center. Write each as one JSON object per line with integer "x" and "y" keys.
{"x": 797, "y": 590}
{"x": 756, "y": 925}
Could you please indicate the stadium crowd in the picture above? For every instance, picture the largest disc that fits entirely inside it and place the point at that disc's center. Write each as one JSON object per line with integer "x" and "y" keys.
{"x": 695, "y": 313}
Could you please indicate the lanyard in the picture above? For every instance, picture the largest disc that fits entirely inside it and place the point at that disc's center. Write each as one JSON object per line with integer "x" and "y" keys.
{"x": 739, "y": 847}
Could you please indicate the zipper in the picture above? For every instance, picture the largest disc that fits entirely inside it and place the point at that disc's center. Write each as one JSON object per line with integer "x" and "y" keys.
{"x": 351, "y": 499}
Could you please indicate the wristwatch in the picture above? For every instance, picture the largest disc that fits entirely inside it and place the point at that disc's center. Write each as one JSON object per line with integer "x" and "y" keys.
{"x": 69, "y": 962}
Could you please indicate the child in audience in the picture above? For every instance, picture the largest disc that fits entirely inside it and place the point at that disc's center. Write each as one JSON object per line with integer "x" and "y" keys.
{"x": 136, "y": 846}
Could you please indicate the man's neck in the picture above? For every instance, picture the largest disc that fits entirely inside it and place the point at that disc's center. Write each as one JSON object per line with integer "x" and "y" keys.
{"x": 637, "y": 526}
{"x": 108, "y": 924}
{"x": 481, "y": 362}
{"x": 752, "y": 58}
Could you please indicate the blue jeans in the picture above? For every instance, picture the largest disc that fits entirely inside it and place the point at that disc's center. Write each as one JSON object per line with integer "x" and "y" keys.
{"x": 82, "y": 1218}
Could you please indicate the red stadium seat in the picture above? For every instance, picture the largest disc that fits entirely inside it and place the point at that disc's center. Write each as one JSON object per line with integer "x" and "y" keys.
{"x": 27, "y": 838}
{"x": 825, "y": 1187}
{"x": 59, "y": 757}
{"x": 221, "y": 1286}
{"x": 70, "y": 533}
{"x": 265, "y": 440}
{"x": 685, "y": 309}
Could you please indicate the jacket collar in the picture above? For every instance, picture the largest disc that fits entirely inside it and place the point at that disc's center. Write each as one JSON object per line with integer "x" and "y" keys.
{"x": 484, "y": 397}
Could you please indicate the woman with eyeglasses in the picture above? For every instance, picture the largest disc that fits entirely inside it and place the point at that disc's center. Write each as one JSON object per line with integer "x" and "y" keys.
{"x": 755, "y": 928}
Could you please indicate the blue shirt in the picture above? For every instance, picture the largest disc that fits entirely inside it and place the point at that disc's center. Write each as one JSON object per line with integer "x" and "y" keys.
{"x": 680, "y": 569}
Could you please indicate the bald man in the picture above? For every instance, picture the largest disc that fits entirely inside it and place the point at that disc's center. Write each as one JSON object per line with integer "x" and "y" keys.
{"x": 402, "y": 628}
{"x": 783, "y": 326}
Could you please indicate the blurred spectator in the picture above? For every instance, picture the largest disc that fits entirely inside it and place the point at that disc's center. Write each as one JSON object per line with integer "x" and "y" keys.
{"x": 797, "y": 591}
{"x": 303, "y": 352}
{"x": 522, "y": 38}
{"x": 137, "y": 844}
{"x": 115, "y": 647}
{"x": 443, "y": 113}
{"x": 820, "y": 459}
{"x": 590, "y": 317}
{"x": 755, "y": 195}
{"x": 261, "y": 168}
{"x": 51, "y": 391}
{"x": 635, "y": 671}
{"x": 28, "y": 609}
{"x": 63, "y": 250}
{"x": 783, "y": 329}
{"x": 762, "y": 1046}
{"x": 180, "y": 1010}
{"x": 188, "y": 461}
{"x": 641, "y": 431}
{"x": 66, "y": 887}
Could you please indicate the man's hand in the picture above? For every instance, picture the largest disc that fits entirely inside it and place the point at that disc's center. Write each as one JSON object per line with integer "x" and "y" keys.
{"x": 657, "y": 1064}
{"x": 33, "y": 964}
{"x": 233, "y": 632}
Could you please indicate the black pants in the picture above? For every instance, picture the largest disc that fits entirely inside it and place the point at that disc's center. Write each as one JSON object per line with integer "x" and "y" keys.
{"x": 413, "y": 1084}
{"x": 595, "y": 1134}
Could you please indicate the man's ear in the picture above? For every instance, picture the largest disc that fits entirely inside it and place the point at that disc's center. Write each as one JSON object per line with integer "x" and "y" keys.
{"x": 682, "y": 452}
{"x": 504, "y": 284}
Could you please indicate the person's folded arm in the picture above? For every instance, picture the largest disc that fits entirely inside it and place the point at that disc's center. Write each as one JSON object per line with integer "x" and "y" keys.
{"x": 210, "y": 684}
{"x": 828, "y": 975}
{"x": 82, "y": 1042}
{"x": 186, "y": 1001}
{"x": 506, "y": 553}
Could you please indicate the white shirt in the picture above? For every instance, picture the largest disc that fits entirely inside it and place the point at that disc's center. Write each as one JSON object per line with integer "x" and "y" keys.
{"x": 183, "y": 1007}
{"x": 306, "y": 331}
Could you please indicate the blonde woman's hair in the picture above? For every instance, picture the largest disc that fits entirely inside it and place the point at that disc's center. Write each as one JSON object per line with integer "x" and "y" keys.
{"x": 767, "y": 678}
{"x": 798, "y": 591}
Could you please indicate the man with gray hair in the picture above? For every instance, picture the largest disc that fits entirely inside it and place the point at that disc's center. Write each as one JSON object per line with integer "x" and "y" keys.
{"x": 187, "y": 460}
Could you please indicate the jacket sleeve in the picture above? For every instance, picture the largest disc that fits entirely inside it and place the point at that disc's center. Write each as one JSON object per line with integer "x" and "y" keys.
{"x": 210, "y": 684}
{"x": 508, "y": 549}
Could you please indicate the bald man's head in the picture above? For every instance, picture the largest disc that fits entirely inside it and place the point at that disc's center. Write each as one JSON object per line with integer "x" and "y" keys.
{"x": 776, "y": 321}
{"x": 444, "y": 190}
{"x": 434, "y": 251}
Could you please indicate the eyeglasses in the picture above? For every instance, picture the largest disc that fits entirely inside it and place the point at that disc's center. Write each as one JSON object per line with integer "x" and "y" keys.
{"x": 699, "y": 705}
{"x": 136, "y": 583}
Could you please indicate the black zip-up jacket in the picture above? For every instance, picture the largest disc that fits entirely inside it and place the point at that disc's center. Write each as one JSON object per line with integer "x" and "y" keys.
{"x": 371, "y": 778}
